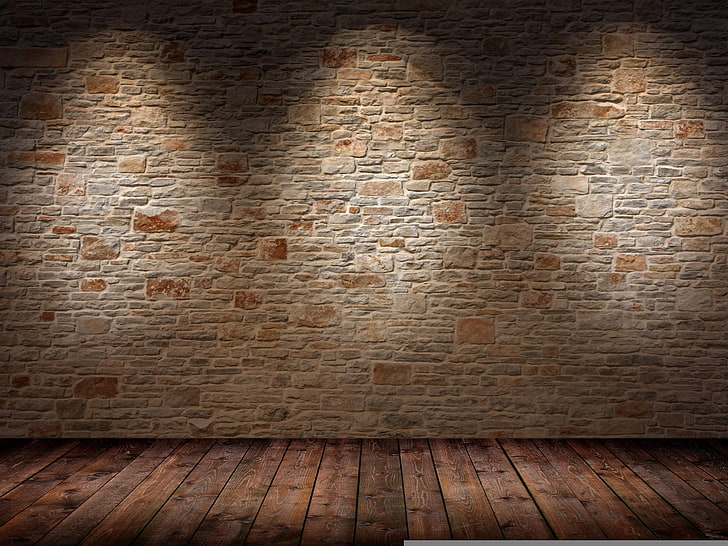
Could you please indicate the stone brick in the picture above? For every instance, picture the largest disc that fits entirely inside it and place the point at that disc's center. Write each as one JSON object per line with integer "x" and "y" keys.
{"x": 338, "y": 165}
{"x": 449, "y": 212}
{"x": 594, "y": 206}
{"x": 618, "y": 45}
{"x": 231, "y": 162}
{"x": 93, "y": 325}
{"x": 606, "y": 239}
{"x": 526, "y": 128}
{"x": 315, "y": 316}
{"x": 155, "y": 220}
{"x": 96, "y": 387}
{"x": 337, "y": 57}
{"x": 695, "y": 226}
{"x": 390, "y": 373}
{"x": 424, "y": 67}
{"x": 536, "y": 299}
{"x": 458, "y": 148}
{"x": 97, "y": 248}
{"x": 479, "y": 94}
{"x": 172, "y": 52}
{"x": 273, "y": 249}
{"x": 629, "y": 80}
{"x": 585, "y": 110}
{"x": 689, "y": 128}
{"x": 182, "y": 397}
{"x": 171, "y": 288}
{"x": 347, "y": 146}
{"x": 93, "y": 285}
{"x": 630, "y": 262}
{"x": 247, "y": 299}
{"x": 563, "y": 66}
{"x": 386, "y": 187}
{"x": 694, "y": 299}
{"x": 517, "y": 236}
{"x": 102, "y": 84}
{"x": 245, "y": 6}
{"x": 304, "y": 114}
{"x": 475, "y": 330}
{"x": 70, "y": 184}
{"x": 387, "y": 131}
{"x": 20, "y": 381}
{"x": 71, "y": 408}
{"x": 33, "y": 57}
{"x": 47, "y": 316}
{"x": 460, "y": 257}
{"x": 41, "y": 106}
{"x": 547, "y": 261}
{"x": 362, "y": 280}
{"x": 432, "y": 170}
{"x": 39, "y": 160}
{"x": 631, "y": 152}
{"x": 132, "y": 164}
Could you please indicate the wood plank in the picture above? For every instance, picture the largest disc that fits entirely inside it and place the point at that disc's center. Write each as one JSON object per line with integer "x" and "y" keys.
{"x": 611, "y": 514}
{"x": 39, "y": 484}
{"x": 563, "y": 511}
{"x": 128, "y": 519}
{"x": 516, "y": 512}
{"x": 331, "y": 515}
{"x": 381, "y": 518}
{"x": 35, "y": 521}
{"x": 10, "y": 446}
{"x": 701, "y": 454}
{"x": 426, "y": 515}
{"x": 661, "y": 518}
{"x": 82, "y": 520}
{"x": 699, "y": 480}
{"x": 705, "y": 515}
{"x": 30, "y": 460}
{"x": 281, "y": 517}
{"x": 231, "y": 516}
{"x": 468, "y": 510}
{"x": 177, "y": 520}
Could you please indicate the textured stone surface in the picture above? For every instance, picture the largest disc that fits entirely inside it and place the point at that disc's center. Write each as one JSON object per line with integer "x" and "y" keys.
{"x": 375, "y": 218}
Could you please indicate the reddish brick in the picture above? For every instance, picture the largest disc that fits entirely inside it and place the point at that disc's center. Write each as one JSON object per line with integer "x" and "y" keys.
{"x": 93, "y": 285}
{"x": 459, "y": 148}
{"x": 47, "y": 316}
{"x": 63, "y": 230}
{"x": 70, "y": 184}
{"x": 337, "y": 57}
{"x": 449, "y": 212}
{"x": 388, "y": 187}
{"x": 388, "y": 373}
{"x": 315, "y": 316}
{"x": 49, "y": 160}
{"x": 172, "y": 288}
{"x": 230, "y": 180}
{"x": 606, "y": 239}
{"x": 166, "y": 220}
{"x": 354, "y": 148}
{"x": 245, "y": 299}
{"x": 305, "y": 226}
{"x": 232, "y": 162}
{"x": 430, "y": 170}
{"x": 475, "y": 330}
{"x": 41, "y": 106}
{"x": 629, "y": 80}
{"x": 544, "y": 260}
{"x": 585, "y": 110}
{"x": 36, "y": 57}
{"x": 387, "y": 131}
{"x": 383, "y": 57}
{"x": 695, "y": 226}
{"x": 227, "y": 265}
{"x": 102, "y": 84}
{"x": 172, "y": 52}
{"x": 273, "y": 249}
{"x": 526, "y": 128}
{"x": 618, "y": 45}
{"x": 630, "y": 262}
{"x": 689, "y": 128}
{"x": 362, "y": 281}
{"x": 20, "y": 381}
{"x": 95, "y": 248}
{"x": 96, "y": 387}
{"x": 536, "y": 299}
{"x": 396, "y": 242}
{"x": 245, "y": 6}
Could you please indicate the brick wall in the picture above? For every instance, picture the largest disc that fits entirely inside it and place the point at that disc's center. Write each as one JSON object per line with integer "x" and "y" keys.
{"x": 358, "y": 218}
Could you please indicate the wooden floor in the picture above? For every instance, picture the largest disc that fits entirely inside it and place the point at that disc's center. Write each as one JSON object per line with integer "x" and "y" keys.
{"x": 166, "y": 492}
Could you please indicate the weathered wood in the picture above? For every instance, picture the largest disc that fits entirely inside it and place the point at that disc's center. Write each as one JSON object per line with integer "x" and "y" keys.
{"x": 611, "y": 514}
{"x": 517, "y": 514}
{"x": 282, "y": 515}
{"x": 562, "y": 509}
{"x": 177, "y": 520}
{"x": 426, "y": 515}
{"x": 82, "y": 520}
{"x": 381, "y": 517}
{"x": 468, "y": 509}
{"x": 32, "y": 523}
{"x": 128, "y": 519}
{"x": 331, "y": 515}
{"x": 661, "y": 518}
{"x": 232, "y": 514}
{"x": 29, "y": 460}
{"x": 705, "y": 515}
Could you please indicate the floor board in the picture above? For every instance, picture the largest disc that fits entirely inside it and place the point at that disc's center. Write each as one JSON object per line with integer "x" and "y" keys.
{"x": 364, "y": 492}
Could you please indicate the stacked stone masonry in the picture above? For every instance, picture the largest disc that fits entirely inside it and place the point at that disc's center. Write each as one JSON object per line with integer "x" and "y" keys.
{"x": 362, "y": 218}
